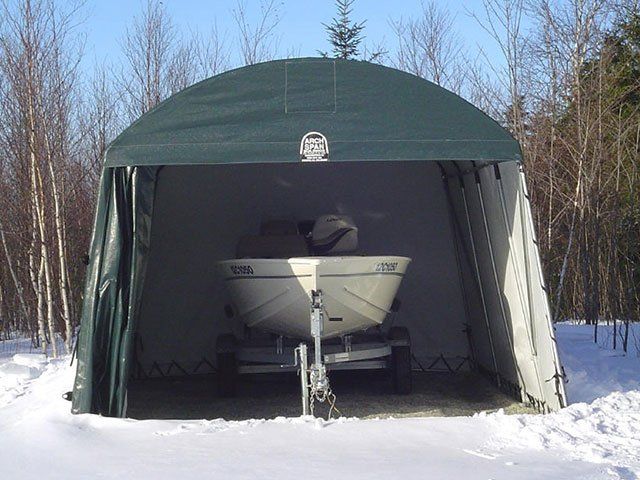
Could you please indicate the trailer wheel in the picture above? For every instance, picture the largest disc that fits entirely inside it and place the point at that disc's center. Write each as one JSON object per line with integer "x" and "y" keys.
{"x": 227, "y": 377}
{"x": 401, "y": 361}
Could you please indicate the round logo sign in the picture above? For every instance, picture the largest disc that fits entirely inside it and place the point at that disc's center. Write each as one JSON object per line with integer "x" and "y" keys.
{"x": 314, "y": 148}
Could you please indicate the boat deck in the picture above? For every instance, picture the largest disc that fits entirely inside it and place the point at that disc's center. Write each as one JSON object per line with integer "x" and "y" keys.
{"x": 363, "y": 394}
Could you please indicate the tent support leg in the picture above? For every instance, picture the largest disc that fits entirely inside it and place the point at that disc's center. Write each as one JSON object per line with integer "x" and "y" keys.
{"x": 479, "y": 280}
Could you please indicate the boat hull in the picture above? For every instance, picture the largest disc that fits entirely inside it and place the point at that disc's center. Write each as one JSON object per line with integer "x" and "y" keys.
{"x": 274, "y": 295}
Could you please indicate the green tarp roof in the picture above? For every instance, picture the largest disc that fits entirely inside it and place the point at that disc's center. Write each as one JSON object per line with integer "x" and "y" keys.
{"x": 260, "y": 114}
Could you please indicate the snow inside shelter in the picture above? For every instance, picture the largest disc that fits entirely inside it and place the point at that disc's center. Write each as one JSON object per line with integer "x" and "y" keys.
{"x": 423, "y": 173}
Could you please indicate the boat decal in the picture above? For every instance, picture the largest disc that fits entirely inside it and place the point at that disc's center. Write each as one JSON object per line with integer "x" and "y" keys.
{"x": 241, "y": 269}
{"x": 386, "y": 266}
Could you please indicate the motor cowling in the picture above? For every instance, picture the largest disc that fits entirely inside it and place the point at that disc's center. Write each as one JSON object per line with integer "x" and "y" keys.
{"x": 333, "y": 234}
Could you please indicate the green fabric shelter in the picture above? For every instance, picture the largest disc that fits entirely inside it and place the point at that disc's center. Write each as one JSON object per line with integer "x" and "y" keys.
{"x": 252, "y": 119}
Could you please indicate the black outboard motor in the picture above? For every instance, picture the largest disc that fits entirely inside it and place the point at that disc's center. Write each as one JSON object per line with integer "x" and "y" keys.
{"x": 334, "y": 234}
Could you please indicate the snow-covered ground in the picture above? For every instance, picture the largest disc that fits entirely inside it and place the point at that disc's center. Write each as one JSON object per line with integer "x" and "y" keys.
{"x": 595, "y": 371}
{"x": 39, "y": 438}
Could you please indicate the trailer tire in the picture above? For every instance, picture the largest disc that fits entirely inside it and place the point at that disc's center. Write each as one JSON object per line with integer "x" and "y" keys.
{"x": 227, "y": 377}
{"x": 401, "y": 361}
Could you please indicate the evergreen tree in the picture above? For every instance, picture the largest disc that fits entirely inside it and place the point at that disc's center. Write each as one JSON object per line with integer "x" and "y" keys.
{"x": 344, "y": 34}
{"x": 617, "y": 65}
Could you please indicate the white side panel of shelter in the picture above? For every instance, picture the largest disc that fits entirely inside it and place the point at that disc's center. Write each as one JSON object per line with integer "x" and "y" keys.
{"x": 544, "y": 346}
{"x": 497, "y": 322}
{"x": 480, "y": 330}
{"x": 511, "y": 280}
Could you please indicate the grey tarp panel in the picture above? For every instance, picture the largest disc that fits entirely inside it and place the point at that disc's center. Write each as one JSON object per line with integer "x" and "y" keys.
{"x": 257, "y": 115}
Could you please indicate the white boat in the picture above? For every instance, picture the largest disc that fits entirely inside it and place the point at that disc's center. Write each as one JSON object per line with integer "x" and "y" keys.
{"x": 274, "y": 294}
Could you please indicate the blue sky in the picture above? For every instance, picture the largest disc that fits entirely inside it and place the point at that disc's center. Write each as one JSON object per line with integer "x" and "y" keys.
{"x": 300, "y": 27}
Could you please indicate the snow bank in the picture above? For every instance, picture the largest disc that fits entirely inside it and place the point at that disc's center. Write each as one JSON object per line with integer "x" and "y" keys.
{"x": 19, "y": 372}
{"x": 16, "y": 374}
{"x": 35, "y": 360}
{"x": 606, "y": 431}
{"x": 596, "y": 440}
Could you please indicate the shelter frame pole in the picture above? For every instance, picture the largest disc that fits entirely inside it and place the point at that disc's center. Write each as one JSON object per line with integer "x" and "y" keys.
{"x": 479, "y": 280}
{"x": 463, "y": 291}
{"x": 497, "y": 281}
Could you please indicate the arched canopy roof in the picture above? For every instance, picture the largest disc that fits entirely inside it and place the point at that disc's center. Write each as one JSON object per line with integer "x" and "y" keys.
{"x": 260, "y": 113}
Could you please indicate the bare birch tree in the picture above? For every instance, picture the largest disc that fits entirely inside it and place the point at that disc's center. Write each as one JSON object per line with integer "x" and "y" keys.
{"x": 257, "y": 40}
{"x": 100, "y": 118}
{"x": 38, "y": 61}
{"x": 148, "y": 49}
{"x": 502, "y": 19}
{"x": 212, "y": 52}
{"x": 430, "y": 47}
{"x": 159, "y": 61}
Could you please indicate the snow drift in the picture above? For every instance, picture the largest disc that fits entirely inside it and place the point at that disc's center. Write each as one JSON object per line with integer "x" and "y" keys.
{"x": 600, "y": 439}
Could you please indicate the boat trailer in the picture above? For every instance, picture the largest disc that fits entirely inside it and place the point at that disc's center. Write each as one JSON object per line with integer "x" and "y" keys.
{"x": 391, "y": 351}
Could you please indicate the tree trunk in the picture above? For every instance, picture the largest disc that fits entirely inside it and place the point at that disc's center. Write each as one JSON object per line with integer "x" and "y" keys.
{"x": 62, "y": 258}
{"x": 14, "y": 276}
